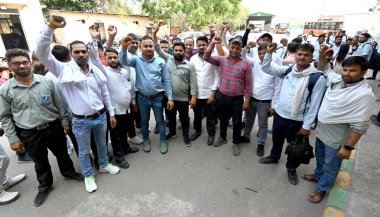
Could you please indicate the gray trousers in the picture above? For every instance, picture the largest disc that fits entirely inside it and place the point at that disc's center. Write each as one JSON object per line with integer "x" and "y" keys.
{"x": 4, "y": 162}
{"x": 261, "y": 109}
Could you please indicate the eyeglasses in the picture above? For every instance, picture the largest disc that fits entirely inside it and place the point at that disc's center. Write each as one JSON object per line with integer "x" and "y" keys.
{"x": 17, "y": 64}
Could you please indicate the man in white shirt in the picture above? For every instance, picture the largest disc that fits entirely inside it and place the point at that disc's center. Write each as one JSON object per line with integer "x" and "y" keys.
{"x": 365, "y": 49}
{"x": 260, "y": 101}
{"x": 321, "y": 40}
{"x": 336, "y": 45}
{"x": 281, "y": 49}
{"x": 84, "y": 87}
{"x": 207, "y": 82}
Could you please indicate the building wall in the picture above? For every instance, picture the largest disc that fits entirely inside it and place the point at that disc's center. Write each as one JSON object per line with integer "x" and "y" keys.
{"x": 78, "y": 23}
{"x": 31, "y": 19}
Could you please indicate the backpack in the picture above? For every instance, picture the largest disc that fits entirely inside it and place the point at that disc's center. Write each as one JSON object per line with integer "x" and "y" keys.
{"x": 313, "y": 78}
{"x": 374, "y": 61}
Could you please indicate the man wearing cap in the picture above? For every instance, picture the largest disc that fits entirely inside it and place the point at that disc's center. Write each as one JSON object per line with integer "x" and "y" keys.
{"x": 234, "y": 91}
{"x": 365, "y": 49}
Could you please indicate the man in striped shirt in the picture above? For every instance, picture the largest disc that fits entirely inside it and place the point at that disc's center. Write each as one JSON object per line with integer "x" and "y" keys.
{"x": 234, "y": 91}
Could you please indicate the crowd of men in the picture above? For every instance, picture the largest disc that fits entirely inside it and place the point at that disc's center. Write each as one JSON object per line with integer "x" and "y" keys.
{"x": 83, "y": 91}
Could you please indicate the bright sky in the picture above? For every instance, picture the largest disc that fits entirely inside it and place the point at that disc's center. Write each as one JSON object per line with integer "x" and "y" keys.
{"x": 308, "y": 9}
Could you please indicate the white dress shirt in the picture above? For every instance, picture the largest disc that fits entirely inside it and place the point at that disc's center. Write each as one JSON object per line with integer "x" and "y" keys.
{"x": 85, "y": 93}
{"x": 207, "y": 77}
{"x": 121, "y": 85}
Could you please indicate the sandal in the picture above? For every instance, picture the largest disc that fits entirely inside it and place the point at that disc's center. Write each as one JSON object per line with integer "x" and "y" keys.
{"x": 315, "y": 197}
{"x": 309, "y": 177}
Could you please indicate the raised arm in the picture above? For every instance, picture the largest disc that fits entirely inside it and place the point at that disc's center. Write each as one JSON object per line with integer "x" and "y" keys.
{"x": 44, "y": 40}
{"x": 269, "y": 68}
{"x": 123, "y": 54}
{"x": 112, "y": 31}
{"x": 245, "y": 51}
{"x": 157, "y": 46}
{"x": 246, "y": 33}
{"x": 315, "y": 103}
{"x": 215, "y": 60}
{"x": 93, "y": 48}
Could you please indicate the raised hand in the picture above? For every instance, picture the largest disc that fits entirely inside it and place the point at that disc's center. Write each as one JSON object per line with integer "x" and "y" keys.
{"x": 322, "y": 50}
{"x": 251, "y": 44}
{"x": 155, "y": 29}
{"x": 149, "y": 25}
{"x": 212, "y": 27}
{"x": 112, "y": 30}
{"x": 160, "y": 23}
{"x": 217, "y": 40}
{"x": 94, "y": 31}
{"x": 271, "y": 47}
{"x": 125, "y": 42}
{"x": 251, "y": 26}
{"x": 226, "y": 25}
{"x": 57, "y": 21}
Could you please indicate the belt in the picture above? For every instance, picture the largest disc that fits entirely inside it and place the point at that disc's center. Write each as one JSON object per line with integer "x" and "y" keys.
{"x": 257, "y": 100}
{"x": 229, "y": 97}
{"x": 150, "y": 97}
{"x": 42, "y": 126}
{"x": 93, "y": 116}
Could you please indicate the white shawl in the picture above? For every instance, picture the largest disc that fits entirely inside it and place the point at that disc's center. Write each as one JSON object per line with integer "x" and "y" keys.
{"x": 300, "y": 88}
{"x": 347, "y": 105}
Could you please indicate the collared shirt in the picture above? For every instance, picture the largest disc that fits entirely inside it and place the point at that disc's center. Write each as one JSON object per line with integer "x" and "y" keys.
{"x": 28, "y": 107}
{"x": 183, "y": 76}
{"x": 121, "y": 86}
{"x": 335, "y": 135}
{"x": 207, "y": 77}
{"x": 152, "y": 77}
{"x": 85, "y": 94}
{"x": 263, "y": 84}
{"x": 308, "y": 109}
{"x": 336, "y": 49}
{"x": 188, "y": 58}
{"x": 235, "y": 77}
{"x": 317, "y": 46}
{"x": 364, "y": 49}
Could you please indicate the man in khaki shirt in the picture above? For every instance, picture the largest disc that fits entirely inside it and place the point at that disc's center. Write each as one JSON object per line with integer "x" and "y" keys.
{"x": 34, "y": 118}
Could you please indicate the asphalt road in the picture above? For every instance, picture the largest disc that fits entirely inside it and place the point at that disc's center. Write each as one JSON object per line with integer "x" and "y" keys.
{"x": 197, "y": 181}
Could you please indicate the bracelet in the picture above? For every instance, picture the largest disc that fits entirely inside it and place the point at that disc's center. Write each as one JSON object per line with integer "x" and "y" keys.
{"x": 51, "y": 25}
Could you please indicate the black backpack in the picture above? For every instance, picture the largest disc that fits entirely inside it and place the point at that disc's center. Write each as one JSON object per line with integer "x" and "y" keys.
{"x": 374, "y": 62}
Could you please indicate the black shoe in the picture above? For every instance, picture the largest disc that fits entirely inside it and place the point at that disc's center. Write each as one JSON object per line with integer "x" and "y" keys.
{"x": 76, "y": 176}
{"x": 186, "y": 140}
{"x": 170, "y": 136}
{"x": 42, "y": 196}
{"x": 210, "y": 140}
{"x": 374, "y": 120}
{"x": 132, "y": 150}
{"x": 244, "y": 139}
{"x": 260, "y": 150}
{"x": 292, "y": 176}
{"x": 370, "y": 78}
{"x": 124, "y": 164}
{"x": 268, "y": 160}
{"x": 195, "y": 135}
{"x": 156, "y": 130}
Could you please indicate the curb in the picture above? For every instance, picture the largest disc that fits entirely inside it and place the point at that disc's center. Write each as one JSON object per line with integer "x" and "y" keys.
{"x": 339, "y": 193}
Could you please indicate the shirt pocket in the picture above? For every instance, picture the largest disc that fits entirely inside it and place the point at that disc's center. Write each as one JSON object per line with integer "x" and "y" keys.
{"x": 45, "y": 99}
{"x": 21, "y": 103}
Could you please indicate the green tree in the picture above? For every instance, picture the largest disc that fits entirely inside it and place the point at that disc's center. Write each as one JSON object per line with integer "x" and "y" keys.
{"x": 70, "y": 5}
{"x": 195, "y": 13}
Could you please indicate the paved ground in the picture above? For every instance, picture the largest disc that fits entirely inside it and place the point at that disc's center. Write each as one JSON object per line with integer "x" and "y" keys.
{"x": 196, "y": 181}
{"x": 365, "y": 193}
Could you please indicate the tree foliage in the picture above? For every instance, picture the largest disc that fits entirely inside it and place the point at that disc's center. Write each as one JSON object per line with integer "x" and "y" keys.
{"x": 194, "y": 13}
{"x": 71, "y": 5}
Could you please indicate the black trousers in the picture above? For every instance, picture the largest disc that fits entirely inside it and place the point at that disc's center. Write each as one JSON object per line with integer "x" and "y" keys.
{"x": 136, "y": 116}
{"x": 284, "y": 129}
{"x": 183, "y": 109}
{"x": 209, "y": 109}
{"x": 119, "y": 136}
{"x": 37, "y": 144}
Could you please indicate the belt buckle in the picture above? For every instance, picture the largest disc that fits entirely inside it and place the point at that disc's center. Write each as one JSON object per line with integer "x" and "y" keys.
{"x": 42, "y": 127}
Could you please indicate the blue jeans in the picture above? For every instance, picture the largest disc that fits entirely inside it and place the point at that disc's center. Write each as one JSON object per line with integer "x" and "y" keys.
{"x": 261, "y": 109}
{"x": 145, "y": 104}
{"x": 230, "y": 107}
{"x": 328, "y": 165}
{"x": 82, "y": 130}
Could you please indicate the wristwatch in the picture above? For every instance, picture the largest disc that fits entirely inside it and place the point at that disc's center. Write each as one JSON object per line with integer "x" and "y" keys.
{"x": 349, "y": 148}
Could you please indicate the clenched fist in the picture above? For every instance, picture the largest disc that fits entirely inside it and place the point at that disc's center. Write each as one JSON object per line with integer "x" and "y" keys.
{"x": 57, "y": 21}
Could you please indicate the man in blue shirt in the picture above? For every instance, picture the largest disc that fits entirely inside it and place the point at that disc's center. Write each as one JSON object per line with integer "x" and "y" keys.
{"x": 295, "y": 110}
{"x": 152, "y": 76}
